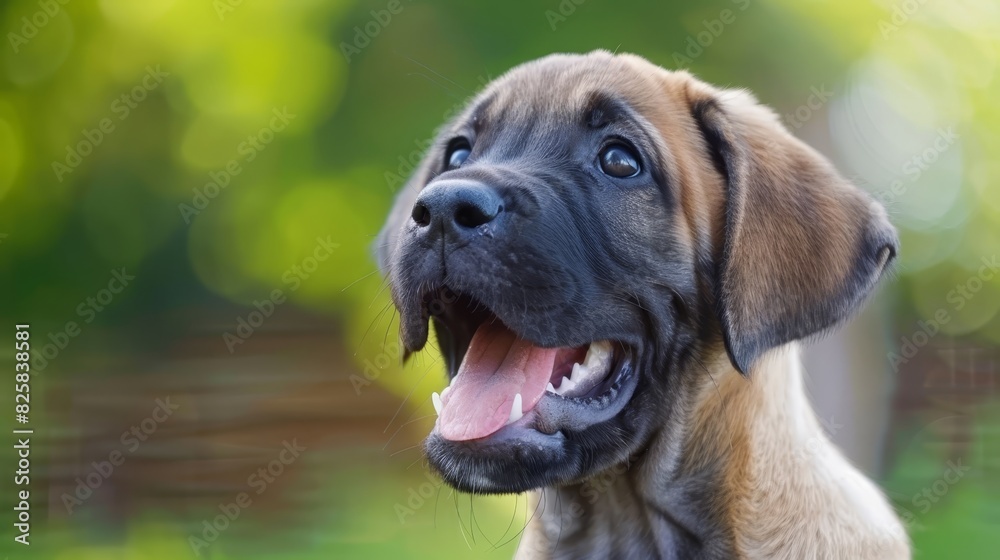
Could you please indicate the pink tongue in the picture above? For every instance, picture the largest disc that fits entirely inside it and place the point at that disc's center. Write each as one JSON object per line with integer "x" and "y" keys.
{"x": 497, "y": 366}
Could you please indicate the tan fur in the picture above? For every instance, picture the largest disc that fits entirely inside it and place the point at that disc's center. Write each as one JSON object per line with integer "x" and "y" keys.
{"x": 789, "y": 492}
{"x": 796, "y": 248}
{"x": 785, "y": 490}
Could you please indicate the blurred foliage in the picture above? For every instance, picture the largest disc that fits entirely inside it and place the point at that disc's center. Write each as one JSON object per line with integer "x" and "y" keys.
{"x": 899, "y": 72}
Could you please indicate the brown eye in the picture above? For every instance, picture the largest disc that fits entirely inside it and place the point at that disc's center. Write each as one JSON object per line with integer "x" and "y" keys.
{"x": 618, "y": 161}
{"x": 458, "y": 152}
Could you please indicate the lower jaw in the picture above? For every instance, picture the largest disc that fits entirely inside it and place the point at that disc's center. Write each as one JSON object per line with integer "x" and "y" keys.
{"x": 533, "y": 451}
{"x": 503, "y": 466}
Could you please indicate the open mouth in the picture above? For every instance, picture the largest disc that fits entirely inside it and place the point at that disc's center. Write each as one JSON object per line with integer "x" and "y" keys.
{"x": 501, "y": 380}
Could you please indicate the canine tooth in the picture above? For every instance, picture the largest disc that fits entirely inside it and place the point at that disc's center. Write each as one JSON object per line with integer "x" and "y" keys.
{"x": 445, "y": 391}
{"x": 436, "y": 399}
{"x": 515, "y": 410}
{"x": 580, "y": 371}
{"x": 598, "y": 356}
{"x": 550, "y": 388}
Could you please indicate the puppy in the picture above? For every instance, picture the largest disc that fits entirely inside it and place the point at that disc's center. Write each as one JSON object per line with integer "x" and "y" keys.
{"x": 617, "y": 261}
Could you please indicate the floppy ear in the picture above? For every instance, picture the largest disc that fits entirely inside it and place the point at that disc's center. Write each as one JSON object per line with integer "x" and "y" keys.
{"x": 803, "y": 247}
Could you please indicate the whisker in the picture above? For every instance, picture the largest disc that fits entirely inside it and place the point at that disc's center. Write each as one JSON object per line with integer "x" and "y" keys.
{"x": 403, "y": 425}
{"x": 725, "y": 409}
{"x": 527, "y": 520}
{"x": 404, "y": 450}
{"x": 385, "y": 284}
{"x": 513, "y": 515}
{"x": 359, "y": 279}
{"x": 388, "y": 327}
{"x": 460, "y": 522}
{"x": 414, "y": 463}
{"x": 439, "y": 75}
{"x": 410, "y": 394}
{"x": 370, "y": 325}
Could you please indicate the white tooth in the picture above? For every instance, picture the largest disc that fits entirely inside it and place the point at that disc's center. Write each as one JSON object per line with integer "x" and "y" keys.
{"x": 550, "y": 388}
{"x": 436, "y": 399}
{"x": 445, "y": 391}
{"x": 515, "y": 410}
{"x": 598, "y": 356}
{"x": 566, "y": 385}
{"x": 580, "y": 371}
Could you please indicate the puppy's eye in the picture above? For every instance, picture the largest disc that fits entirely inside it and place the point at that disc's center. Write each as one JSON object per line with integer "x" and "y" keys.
{"x": 619, "y": 161}
{"x": 458, "y": 152}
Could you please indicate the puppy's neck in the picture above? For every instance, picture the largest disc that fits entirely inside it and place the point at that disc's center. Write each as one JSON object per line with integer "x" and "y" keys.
{"x": 747, "y": 463}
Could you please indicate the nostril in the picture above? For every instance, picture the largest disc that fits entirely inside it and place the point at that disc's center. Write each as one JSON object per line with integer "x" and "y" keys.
{"x": 472, "y": 215}
{"x": 457, "y": 206}
{"x": 421, "y": 214}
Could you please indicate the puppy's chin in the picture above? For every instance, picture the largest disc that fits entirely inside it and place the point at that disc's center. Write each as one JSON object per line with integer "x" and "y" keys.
{"x": 518, "y": 416}
{"x": 504, "y": 464}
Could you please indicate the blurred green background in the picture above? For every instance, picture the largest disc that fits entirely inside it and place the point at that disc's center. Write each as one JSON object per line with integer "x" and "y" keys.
{"x": 196, "y": 186}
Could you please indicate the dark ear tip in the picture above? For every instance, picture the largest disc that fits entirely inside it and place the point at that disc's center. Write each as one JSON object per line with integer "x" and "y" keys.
{"x": 740, "y": 358}
{"x": 742, "y": 368}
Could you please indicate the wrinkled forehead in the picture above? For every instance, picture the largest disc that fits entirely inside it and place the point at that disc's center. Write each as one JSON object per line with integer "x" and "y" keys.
{"x": 561, "y": 92}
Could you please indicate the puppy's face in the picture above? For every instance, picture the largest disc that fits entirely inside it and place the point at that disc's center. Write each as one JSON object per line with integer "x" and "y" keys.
{"x": 577, "y": 239}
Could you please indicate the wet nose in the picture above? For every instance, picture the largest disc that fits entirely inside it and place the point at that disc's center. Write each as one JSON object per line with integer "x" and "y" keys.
{"x": 457, "y": 204}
